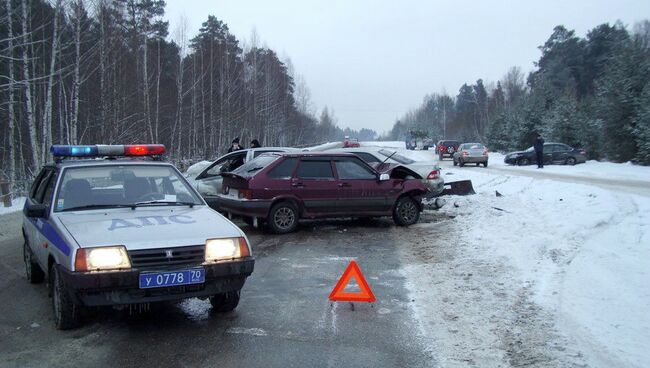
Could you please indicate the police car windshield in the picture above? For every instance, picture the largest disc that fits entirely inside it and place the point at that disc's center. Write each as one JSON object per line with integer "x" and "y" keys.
{"x": 94, "y": 187}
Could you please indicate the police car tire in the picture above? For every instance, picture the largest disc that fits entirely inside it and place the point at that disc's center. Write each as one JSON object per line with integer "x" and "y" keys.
{"x": 35, "y": 274}
{"x": 406, "y": 211}
{"x": 225, "y": 302}
{"x": 66, "y": 313}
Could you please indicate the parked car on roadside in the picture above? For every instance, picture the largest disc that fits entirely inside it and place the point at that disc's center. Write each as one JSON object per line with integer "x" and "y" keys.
{"x": 208, "y": 180}
{"x": 281, "y": 189}
{"x": 554, "y": 153}
{"x": 430, "y": 172}
{"x": 471, "y": 153}
{"x": 446, "y": 148}
{"x": 114, "y": 229}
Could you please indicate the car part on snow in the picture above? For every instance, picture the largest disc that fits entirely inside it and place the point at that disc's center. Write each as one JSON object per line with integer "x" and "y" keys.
{"x": 460, "y": 187}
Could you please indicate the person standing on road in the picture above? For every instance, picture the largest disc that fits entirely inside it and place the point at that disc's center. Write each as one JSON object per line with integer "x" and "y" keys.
{"x": 538, "y": 145}
{"x": 234, "y": 146}
{"x": 255, "y": 144}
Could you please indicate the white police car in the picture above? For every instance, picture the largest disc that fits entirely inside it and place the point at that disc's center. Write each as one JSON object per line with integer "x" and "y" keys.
{"x": 115, "y": 229}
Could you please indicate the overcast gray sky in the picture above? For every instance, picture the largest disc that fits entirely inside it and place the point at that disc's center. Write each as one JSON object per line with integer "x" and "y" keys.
{"x": 371, "y": 60}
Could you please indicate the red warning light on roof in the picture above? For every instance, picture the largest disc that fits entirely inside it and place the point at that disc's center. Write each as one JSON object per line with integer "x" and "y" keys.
{"x": 144, "y": 149}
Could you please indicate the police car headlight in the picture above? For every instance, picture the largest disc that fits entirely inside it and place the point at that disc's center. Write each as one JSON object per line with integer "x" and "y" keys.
{"x": 102, "y": 259}
{"x": 227, "y": 248}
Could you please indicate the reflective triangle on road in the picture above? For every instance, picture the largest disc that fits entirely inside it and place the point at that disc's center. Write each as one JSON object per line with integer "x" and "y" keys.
{"x": 338, "y": 294}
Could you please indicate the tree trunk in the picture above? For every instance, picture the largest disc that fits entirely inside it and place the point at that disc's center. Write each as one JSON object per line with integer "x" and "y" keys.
{"x": 10, "y": 109}
{"x": 47, "y": 113}
{"x": 76, "y": 85}
{"x": 31, "y": 124}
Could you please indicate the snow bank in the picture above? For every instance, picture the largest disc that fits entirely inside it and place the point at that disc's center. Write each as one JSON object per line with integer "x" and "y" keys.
{"x": 17, "y": 204}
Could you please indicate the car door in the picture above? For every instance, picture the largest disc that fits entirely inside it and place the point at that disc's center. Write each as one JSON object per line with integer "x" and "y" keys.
{"x": 560, "y": 153}
{"x": 548, "y": 153}
{"x": 357, "y": 183}
{"x": 209, "y": 181}
{"x": 41, "y": 193}
{"x": 315, "y": 185}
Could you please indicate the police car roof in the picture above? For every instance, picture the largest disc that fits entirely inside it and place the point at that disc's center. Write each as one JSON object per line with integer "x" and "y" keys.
{"x": 106, "y": 161}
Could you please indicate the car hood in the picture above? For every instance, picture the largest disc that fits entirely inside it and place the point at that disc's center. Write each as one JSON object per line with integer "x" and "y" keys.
{"x": 386, "y": 168}
{"x": 147, "y": 227}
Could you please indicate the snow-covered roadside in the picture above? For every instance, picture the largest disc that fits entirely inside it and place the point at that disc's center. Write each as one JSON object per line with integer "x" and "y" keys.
{"x": 549, "y": 273}
{"x": 17, "y": 204}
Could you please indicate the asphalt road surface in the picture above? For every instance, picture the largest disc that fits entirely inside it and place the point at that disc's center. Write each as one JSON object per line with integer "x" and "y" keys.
{"x": 284, "y": 318}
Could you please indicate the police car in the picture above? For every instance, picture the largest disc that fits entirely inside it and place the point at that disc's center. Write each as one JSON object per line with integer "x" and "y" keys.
{"x": 115, "y": 226}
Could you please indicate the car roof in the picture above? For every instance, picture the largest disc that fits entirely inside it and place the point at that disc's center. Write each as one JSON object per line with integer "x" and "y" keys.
{"x": 315, "y": 154}
{"x": 106, "y": 161}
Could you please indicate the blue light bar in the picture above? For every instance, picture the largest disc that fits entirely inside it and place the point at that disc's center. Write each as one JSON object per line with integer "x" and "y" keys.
{"x": 73, "y": 151}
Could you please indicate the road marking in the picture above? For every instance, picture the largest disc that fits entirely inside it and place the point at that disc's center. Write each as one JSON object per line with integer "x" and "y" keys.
{"x": 247, "y": 331}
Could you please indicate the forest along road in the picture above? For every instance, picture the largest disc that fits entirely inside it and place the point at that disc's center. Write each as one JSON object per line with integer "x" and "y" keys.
{"x": 284, "y": 317}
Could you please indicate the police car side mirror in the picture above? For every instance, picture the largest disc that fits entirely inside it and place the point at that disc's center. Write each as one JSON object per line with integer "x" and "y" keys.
{"x": 36, "y": 210}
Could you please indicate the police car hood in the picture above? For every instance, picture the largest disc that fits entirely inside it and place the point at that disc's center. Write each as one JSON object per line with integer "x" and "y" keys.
{"x": 147, "y": 227}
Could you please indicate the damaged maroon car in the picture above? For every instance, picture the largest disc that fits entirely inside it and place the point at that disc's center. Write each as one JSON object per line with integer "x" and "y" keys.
{"x": 280, "y": 189}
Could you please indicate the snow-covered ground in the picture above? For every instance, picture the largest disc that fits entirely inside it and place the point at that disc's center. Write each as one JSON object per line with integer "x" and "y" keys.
{"x": 17, "y": 204}
{"x": 552, "y": 272}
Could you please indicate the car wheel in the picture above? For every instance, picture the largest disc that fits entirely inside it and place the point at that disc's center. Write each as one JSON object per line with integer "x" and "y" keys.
{"x": 523, "y": 162}
{"x": 283, "y": 218}
{"x": 66, "y": 312}
{"x": 35, "y": 274}
{"x": 478, "y": 164}
{"x": 485, "y": 164}
{"x": 571, "y": 161}
{"x": 406, "y": 211}
{"x": 461, "y": 163}
{"x": 225, "y": 302}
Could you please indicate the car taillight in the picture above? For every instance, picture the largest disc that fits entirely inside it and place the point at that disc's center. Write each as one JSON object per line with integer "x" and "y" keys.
{"x": 435, "y": 174}
{"x": 245, "y": 193}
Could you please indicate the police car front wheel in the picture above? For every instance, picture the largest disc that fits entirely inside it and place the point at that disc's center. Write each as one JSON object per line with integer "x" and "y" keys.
{"x": 66, "y": 312}
{"x": 35, "y": 274}
{"x": 225, "y": 302}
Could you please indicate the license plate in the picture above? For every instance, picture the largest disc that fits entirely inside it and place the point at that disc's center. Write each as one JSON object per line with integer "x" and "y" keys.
{"x": 172, "y": 278}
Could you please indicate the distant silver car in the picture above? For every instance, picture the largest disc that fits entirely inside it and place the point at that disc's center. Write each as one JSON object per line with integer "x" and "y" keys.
{"x": 429, "y": 171}
{"x": 208, "y": 181}
{"x": 474, "y": 153}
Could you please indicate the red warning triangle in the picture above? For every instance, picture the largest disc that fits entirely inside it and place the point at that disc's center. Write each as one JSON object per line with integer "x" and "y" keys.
{"x": 364, "y": 295}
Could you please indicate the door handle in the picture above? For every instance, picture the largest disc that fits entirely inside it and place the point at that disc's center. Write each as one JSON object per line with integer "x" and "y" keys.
{"x": 297, "y": 185}
{"x": 344, "y": 185}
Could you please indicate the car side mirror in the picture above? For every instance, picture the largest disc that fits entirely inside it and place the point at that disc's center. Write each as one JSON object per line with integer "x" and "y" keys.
{"x": 384, "y": 177}
{"x": 36, "y": 210}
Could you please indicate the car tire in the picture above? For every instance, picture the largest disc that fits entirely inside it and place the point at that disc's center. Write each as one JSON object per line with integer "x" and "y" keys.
{"x": 66, "y": 312}
{"x": 485, "y": 164}
{"x": 225, "y": 302}
{"x": 570, "y": 161}
{"x": 406, "y": 211}
{"x": 33, "y": 271}
{"x": 523, "y": 162}
{"x": 478, "y": 164}
{"x": 283, "y": 218}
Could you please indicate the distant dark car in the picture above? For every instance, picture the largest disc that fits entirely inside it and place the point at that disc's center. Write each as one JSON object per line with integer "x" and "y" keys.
{"x": 446, "y": 148}
{"x": 554, "y": 153}
{"x": 281, "y": 189}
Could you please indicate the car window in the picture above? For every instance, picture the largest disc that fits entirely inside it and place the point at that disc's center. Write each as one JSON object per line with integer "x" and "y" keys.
{"x": 227, "y": 164}
{"x": 474, "y": 146}
{"x": 315, "y": 169}
{"x": 121, "y": 185}
{"x": 255, "y": 165}
{"x": 49, "y": 190}
{"x": 257, "y": 153}
{"x": 40, "y": 191}
{"x": 550, "y": 148}
{"x": 563, "y": 148}
{"x": 367, "y": 157}
{"x": 351, "y": 170}
{"x": 37, "y": 182}
{"x": 284, "y": 169}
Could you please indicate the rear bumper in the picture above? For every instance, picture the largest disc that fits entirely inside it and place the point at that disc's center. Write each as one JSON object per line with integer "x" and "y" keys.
{"x": 473, "y": 159}
{"x": 115, "y": 288}
{"x": 249, "y": 208}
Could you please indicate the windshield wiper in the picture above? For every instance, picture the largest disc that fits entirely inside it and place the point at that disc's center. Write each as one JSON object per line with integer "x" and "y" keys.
{"x": 169, "y": 203}
{"x": 97, "y": 206}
